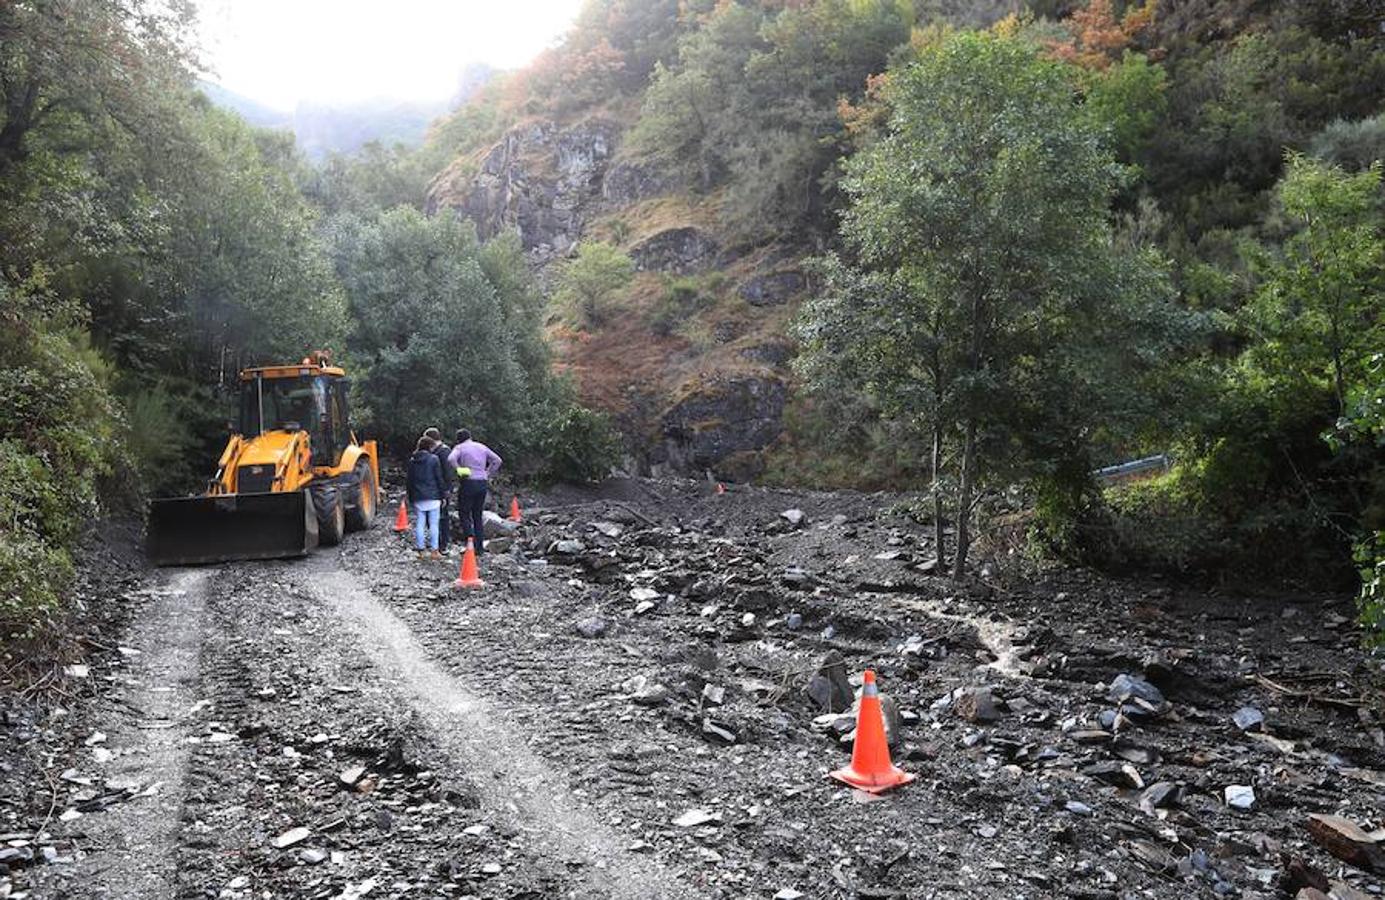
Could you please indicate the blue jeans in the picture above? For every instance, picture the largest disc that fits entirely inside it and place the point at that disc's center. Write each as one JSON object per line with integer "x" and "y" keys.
{"x": 426, "y": 523}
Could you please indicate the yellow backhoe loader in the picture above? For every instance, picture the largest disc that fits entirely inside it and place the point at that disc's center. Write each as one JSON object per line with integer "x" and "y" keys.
{"x": 291, "y": 477}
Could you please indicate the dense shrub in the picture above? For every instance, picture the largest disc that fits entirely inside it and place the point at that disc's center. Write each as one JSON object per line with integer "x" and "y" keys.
{"x": 174, "y": 432}
{"x": 590, "y": 283}
{"x": 59, "y": 434}
{"x": 578, "y": 444}
{"x": 1352, "y": 145}
{"x": 683, "y": 296}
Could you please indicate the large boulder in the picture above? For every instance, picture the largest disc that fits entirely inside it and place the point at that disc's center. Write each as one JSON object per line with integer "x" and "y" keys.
{"x": 773, "y": 288}
{"x": 496, "y": 526}
{"x": 681, "y": 251}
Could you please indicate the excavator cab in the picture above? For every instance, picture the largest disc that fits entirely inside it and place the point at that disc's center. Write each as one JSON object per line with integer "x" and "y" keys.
{"x": 315, "y": 404}
{"x": 293, "y": 475}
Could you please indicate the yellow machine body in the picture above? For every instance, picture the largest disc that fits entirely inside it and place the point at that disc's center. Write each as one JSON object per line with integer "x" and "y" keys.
{"x": 292, "y": 476}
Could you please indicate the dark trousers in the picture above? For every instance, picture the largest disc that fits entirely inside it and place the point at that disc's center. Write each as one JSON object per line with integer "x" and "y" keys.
{"x": 473, "y": 502}
{"x": 444, "y": 525}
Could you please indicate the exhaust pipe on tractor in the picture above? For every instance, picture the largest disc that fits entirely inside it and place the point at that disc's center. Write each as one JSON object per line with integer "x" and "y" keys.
{"x": 225, "y": 527}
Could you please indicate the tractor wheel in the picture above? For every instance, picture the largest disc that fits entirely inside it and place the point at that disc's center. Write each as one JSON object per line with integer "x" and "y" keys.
{"x": 331, "y": 517}
{"x": 361, "y": 498}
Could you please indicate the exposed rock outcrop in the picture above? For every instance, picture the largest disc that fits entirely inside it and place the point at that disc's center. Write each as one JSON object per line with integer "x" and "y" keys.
{"x": 628, "y": 182}
{"x": 677, "y": 250}
{"x": 771, "y": 353}
{"x": 540, "y": 179}
{"x": 773, "y": 288}
{"x": 551, "y": 182}
{"x": 723, "y": 427}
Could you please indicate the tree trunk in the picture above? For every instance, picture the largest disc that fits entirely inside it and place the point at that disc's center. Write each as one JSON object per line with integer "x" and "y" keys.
{"x": 1338, "y": 369}
{"x": 964, "y": 492}
{"x": 938, "y": 537}
{"x": 19, "y": 114}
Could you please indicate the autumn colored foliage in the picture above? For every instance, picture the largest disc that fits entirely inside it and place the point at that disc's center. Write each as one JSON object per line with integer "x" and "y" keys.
{"x": 1099, "y": 37}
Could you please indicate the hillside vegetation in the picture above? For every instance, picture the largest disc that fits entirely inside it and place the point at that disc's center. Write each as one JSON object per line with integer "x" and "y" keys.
{"x": 1213, "y": 295}
{"x": 151, "y": 245}
{"x": 973, "y": 248}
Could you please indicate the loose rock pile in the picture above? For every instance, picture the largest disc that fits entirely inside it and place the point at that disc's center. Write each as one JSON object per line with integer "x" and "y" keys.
{"x": 687, "y": 664}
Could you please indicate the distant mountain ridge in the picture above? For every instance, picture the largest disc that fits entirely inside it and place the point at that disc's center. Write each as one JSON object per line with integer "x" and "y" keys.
{"x": 321, "y": 129}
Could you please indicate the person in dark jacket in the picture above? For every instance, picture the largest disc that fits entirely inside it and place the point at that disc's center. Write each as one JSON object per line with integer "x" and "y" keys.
{"x": 440, "y": 450}
{"x": 426, "y": 488}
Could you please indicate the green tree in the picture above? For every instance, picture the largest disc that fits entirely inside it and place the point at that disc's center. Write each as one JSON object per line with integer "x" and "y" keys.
{"x": 1317, "y": 314}
{"x": 1129, "y": 98}
{"x": 578, "y": 445}
{"x": 521, "y": 304}
{"x": 178, "y": 229}
{"x": 751, "y": 102}
{"x": 687, "y": 107}
{"x": 428, "y": 333}
{"x": 1354, "y": 145}
{"x": 243, "y": 253}
{"x": 590, "y": 282}
{"x": 72, "y": 72}
{"x": 1363, "y": 428}
{"x": 373, "y": 179}
{"x": 992, "y": 300}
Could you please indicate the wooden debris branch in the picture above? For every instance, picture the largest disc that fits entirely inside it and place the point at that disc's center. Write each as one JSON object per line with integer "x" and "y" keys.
{"x": 1321, "y": 699}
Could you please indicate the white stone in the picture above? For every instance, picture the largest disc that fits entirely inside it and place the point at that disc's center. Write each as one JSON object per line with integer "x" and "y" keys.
{"x": 694, "y": 817}
{"x": 291, "y": 837}
{"x": 1240, "y": 796}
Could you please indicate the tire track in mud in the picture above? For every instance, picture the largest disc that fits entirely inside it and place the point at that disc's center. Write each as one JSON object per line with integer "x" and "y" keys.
{"x": 508, "y": 774}
{"x": 131, "y": 849}
{"x": 294, "y": 702}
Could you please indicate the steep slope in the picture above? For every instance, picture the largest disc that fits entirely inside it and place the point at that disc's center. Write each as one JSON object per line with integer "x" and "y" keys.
{"x": 703, "y": 139}
{"x": 702, "y": 387}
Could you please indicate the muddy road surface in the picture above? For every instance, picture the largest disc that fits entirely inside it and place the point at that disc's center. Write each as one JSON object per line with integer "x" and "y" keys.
{"x": 645, "y": 699}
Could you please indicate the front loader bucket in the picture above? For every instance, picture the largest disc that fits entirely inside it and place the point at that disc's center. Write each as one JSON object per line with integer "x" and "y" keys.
{"x": 192, "y": 530}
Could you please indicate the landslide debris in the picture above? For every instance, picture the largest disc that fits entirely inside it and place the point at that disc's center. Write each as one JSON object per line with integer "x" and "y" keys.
{"x": 684, "y": 664}
{"x": 680, "y": 652}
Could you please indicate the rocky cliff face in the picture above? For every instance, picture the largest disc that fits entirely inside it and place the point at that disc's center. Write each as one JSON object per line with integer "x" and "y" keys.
{"x": 711, "y": 403}
{"x": 540, "y": 179}
{"x": 723, "y": 427}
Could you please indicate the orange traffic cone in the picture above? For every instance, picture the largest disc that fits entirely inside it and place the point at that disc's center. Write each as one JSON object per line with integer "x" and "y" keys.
{"x": 401, "y": 518}
{"x": 871, "y": 769}
{"x": 469, "y": 577}
{"x": 514, "y": 509}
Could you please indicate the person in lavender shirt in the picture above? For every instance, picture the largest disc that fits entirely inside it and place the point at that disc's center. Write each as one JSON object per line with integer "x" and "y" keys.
{"x": 475, "y": 464}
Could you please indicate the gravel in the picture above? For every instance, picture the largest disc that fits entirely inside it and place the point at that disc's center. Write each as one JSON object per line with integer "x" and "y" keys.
{"x": 352, "y": 726}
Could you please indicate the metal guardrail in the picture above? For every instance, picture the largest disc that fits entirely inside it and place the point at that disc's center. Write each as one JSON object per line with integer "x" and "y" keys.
{"x": 1159, "y": 463}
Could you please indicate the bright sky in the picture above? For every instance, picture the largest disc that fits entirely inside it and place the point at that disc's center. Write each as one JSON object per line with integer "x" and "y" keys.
{"x": 281, "y": 51}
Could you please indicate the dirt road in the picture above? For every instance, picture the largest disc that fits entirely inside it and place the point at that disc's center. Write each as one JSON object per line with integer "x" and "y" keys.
{"x": 633, "y": 707}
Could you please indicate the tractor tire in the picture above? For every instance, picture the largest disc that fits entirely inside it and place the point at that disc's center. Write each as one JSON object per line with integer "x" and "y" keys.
{"x": 331, "y": 516}
{"x": 361, "y": 497}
